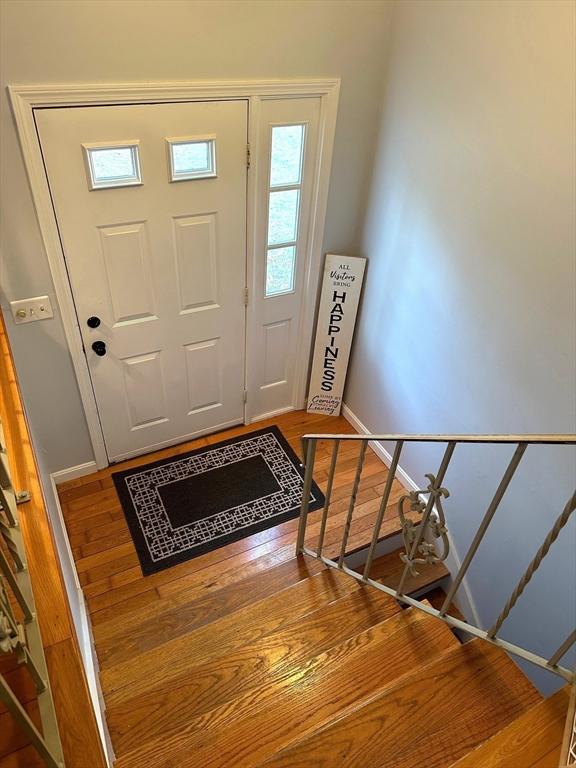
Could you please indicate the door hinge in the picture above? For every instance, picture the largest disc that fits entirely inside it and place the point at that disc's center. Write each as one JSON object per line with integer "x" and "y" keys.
{"x": 245, "y": 396}
{"x": 248, "y": 157}
{"x": 245, "y": 297}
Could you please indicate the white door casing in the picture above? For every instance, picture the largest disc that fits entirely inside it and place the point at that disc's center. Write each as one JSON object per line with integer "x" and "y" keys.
{"x": 27, "y": 99}
{"x": 162, "y": 264}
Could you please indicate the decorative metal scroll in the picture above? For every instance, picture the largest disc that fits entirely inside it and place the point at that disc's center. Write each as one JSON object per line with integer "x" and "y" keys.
{"x": 434, "y": 527}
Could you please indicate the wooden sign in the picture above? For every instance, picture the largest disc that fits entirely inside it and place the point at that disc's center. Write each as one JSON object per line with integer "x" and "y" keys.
{"x": 341, "y": 286}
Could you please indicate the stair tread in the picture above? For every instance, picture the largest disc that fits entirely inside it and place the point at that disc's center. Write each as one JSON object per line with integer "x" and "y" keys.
{"x": 532, "y": 740}
{"x": 120, "y": 637}
{"x": 182, "y": 613}
{"x": 12, "y": 736}
{"x": 430, "y": 717}
{"x": 27, "y": 757}
{"x": 21, "y": 683}
{"x": 388, "y": 570}
{"x": 202, "y": 688}
{"x": 257, "y": 724}
{"x": 437, "y": 596}
{"x": 170, "y": 658}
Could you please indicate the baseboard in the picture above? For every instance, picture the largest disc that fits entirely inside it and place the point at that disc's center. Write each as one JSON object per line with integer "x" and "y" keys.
{"x": 83, "y": 628}
{"x": 377, "y": 447}
{"x": 271, "y": 414}
{"x": 465, "y": 602}
{"x": 63, "y": 475}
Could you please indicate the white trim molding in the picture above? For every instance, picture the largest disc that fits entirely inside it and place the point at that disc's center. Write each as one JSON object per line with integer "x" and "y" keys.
{"x": 465, "y": 601}
{"x": 26, "y": 98}
{"x": 71, "y": 473}
{"x": 83, "y": 625}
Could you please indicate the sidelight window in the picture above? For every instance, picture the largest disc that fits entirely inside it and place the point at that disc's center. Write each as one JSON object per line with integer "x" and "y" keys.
{"x": 284, "y": 197}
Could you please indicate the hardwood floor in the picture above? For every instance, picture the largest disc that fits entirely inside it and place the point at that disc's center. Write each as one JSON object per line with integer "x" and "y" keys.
{"x": 248, "y": 656}
{"x": 106, "y": 558}
{"x": 531, "y": 741}
{"x": 143, "y": 625}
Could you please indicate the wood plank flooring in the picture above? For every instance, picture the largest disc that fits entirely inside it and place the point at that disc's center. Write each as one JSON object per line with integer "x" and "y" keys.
{"x": 70, "y": 689}
{"x": 146, "y": 628}
{"x": 531, "y": 741}
{"x": 248, "y": 656}
{"x": 430, "y": 717}
{"x": 106, "y": 558}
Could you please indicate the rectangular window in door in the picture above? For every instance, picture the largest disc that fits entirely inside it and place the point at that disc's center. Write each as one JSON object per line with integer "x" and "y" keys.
{"x": 284, "y": 197}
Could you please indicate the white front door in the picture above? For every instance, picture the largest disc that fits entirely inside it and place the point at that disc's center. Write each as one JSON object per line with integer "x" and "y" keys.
{"x": 151, "y": 209}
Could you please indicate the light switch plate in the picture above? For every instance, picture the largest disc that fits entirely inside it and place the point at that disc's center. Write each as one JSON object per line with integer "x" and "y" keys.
{"x": 29, "y": 310}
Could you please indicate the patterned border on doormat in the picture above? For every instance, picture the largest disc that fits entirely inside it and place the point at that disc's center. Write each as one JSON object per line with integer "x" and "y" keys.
{"x": 187, "y": 505}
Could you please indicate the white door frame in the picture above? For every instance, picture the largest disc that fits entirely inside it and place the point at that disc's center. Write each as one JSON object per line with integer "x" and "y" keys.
{"x": 26, "y": 98}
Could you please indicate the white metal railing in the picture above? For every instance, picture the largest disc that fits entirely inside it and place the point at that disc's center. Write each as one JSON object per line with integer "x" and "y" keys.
{"x": 19, "y": 630}
{"x": 421, "y": 531}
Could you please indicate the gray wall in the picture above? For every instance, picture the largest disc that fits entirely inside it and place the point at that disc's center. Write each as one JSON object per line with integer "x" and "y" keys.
{"x": 50, "y": 41}
{"x": 468, "y": 320}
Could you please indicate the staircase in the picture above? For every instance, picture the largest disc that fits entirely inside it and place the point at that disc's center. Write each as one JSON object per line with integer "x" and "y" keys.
{"x": 252, "y": 656}
{"x": 249, "y": 656}
{"x": 317, "y": 671}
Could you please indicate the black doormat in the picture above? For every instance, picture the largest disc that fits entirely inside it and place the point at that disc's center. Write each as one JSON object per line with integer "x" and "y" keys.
{"x": 185, "y": 506}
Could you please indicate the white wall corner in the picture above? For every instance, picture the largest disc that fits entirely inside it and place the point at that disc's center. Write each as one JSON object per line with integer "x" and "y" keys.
{"x": 464, "y": 600}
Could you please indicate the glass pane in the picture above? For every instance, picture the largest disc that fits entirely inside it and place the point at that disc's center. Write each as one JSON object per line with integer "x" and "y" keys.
{"x": 192, "y": 159}
{"x": 113, "y": 164}
{"x": 280, "y": 270}
{"x": 286, "y": 157}
{"x": 283, "y": 216}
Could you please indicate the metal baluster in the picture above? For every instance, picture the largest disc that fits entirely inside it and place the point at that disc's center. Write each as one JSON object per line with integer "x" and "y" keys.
{"x": 557, "y": 655}
{"x": 5, "y": 481}
{"x": 6, "y": 611}
{"x": 8, "y": 504}
{"x": 540, "y": 555}
{"x": 383, "y": 505}
{"x": 348, "y": 524}
{"x": 12, "y": 545}
{"x": 21, "y": 716}
{"x": 328, "y": 496}
{"x": 494, "y": 504}
{"x": 309, "y": 446}
{"x": 427, "y": 512}
{"x": 15, "y": 587}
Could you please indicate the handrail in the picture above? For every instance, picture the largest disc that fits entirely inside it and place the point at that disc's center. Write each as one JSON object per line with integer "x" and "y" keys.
{"x": 560, "y": 439}
{"x": 420, "y": 534}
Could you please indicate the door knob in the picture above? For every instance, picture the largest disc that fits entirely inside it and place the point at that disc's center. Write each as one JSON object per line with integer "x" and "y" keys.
{"x": 100, "y": 348}
{"x": 93, "y": 322}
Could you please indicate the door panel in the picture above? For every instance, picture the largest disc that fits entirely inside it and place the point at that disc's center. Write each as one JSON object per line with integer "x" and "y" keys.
{"x": 126, "y": 258}
{"x": 204, "y": 375}
{"x": 144, "y": 390}
{"x": 161, "y": 263}
{"x": 196, "y": 262}
{"x": 276, "y": 341}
